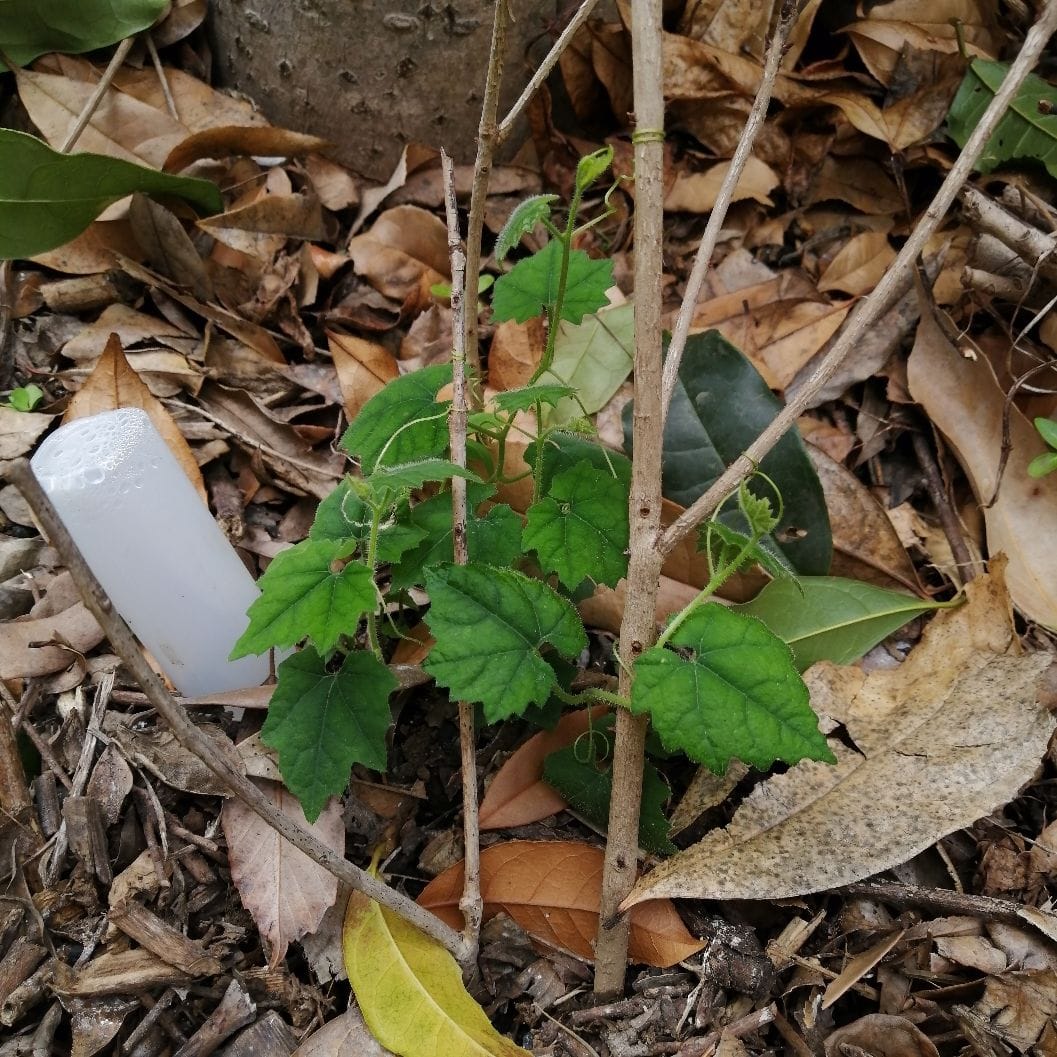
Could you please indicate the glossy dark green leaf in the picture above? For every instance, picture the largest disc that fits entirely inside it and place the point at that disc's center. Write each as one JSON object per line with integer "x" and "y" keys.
{"x": 47, "y": 199}
{"x": 719, "y": 407}
{"x": 30, "y": 28}
{"x": 321, "y": 723}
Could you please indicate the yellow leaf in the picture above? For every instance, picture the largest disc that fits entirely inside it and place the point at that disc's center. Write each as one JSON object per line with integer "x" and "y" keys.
{"x": 410, "y": 989}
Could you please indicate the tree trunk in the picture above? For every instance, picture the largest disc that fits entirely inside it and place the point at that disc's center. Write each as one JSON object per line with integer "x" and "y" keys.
{"x": 373, "y": 75}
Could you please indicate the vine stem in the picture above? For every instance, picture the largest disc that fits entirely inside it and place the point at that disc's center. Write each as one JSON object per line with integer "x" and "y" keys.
{"x": 192, "y": 739}
{"x": 786, "y": 20}
{"x": 470, "y": 904}
{"x": 638, "y": 627}
{"x": 882, "y": 296}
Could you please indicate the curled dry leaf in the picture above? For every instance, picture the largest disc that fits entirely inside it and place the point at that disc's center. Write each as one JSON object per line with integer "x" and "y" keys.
{"x": 881, "y": 1035}
{"x": 943, "y": 740}
{"x": 552, "y": 890}
{"x": 967, "y": 408}
{"x": 227, "y": 140}
{"x": 518, "y": 795}
{"x": 23, "y": 650}
{"x": 285, "y": 892}
{"x": 364, "y": 367}
{"x": 113, "y": 384}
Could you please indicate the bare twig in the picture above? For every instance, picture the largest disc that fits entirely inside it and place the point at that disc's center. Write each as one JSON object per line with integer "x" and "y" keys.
{"x": 127, "y": 648}
{"x": 470, "y": 903}
{"x": 545, "y": 67}
{"x": 753, "y": 124}
{"x": 94, "y": 99}
{"x": 637, "y": 630}
{"x": 482, "y": 170}
{"x": 155, "y": 58}
{"x": 883, "y": 294}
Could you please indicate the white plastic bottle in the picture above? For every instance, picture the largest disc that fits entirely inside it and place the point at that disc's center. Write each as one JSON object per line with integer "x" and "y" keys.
{"x": 153, "y": 545}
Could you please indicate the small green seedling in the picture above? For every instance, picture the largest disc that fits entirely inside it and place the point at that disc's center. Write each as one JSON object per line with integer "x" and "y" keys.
{"x": 25, "y": 397}
{"x": 1045, "y": 463}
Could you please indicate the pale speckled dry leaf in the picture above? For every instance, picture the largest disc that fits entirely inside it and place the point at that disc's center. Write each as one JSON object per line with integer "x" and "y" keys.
{"x": 966, "y": 405}
{"x": 947, "y": 737}
{"x": 890, "y": 28}
{"x": 518, "y": 795}
{"x": 344, "y": 1036}
{"x": 113, "y": 384}
{"x": 120, "y": 127}
{"x": 859, "y": 265}
{"x": 552, "y": 889}
{"x": 285, "y": 892}
{"x": 880, "y": 1035}
{"x": 1019, "y": 1005}
{"x": 705, "y": 791}
{"x": 697, "y": 192}
{"x": 364, "y": 367}
{"x": 866, "y": 545}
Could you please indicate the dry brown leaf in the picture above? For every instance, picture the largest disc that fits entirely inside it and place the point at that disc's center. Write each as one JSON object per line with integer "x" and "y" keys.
{"x": 947, "y": 737}
{"x": 20, "y": 430}
{"x": 94, "y": 250}
{"x": 697, "y": 192}
{"x": 404, "y": 253}
{"x": 901, "y": 125}
{"x": 23, "y": 654}
{"x": 518, "y": 795}
{"x": 285, "y": 892}
{"x": 335, "y": 186}
{"x": 131, "y": 327}
{"x": 184, "y": 17}
{"x": 962, "y": 397}
{"x": 859, "y": 265}
{"x": 866, "y": 545}
{"x": 168, "y": 247}
{"x": 223, "y": 141}
{"x": 861, "y": 183}
{"x": 344, "y": 1036}
{"x": 734, "y": 25}
{"x": 290, "y": 215}
{"x": 880, "y": 1035}
{"x": 364, "y": 367}
{"x": 113, "y": 384}
{"x": 1019, "y": 1005}
{"x": 858, "y": 967}
{"x": 551, "y": 889}
{"x": 120, "y": 127}
{"x": 515, "y": 353}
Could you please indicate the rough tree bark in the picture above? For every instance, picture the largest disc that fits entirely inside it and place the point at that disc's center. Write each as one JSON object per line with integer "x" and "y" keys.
{"x": 372, "y": 75}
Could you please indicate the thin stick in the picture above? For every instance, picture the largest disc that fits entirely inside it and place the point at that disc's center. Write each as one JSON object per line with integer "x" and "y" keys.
{"x": 482, "y": 170}
{"x": 549, "y": 61}
{"x": 870, "y": 310}
{"x": 637, "y": 629}
{"x": 155, "y": 58}
{"x": 127, "y": 648}
{"x": 786, "y": 21}
{"x": 94, "y": 99}
{"x": 470, "y": 903}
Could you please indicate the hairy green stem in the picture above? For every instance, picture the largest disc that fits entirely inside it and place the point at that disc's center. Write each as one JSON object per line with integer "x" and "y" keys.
{"x": 372, "y": 564}
{"x": 585, "y": 697}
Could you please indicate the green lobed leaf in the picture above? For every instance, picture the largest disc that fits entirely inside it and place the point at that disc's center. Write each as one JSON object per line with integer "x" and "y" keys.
{"x": 526, "y": 216}
{"x": 302, "y": 597}
{"x": 491, "y": 626}
{"x": 47, "y": 199}
{"x": 492, "y": 539}
{"x": 415, "y": 474}
{"x": 321, "y": 723}
{"x": 31, "y": 28}
{"x": 735, "y": 695}
{"x": 1028, "y": 129}
{"x": 1047, "y": 430}
{"x": 579, "y": 530}
{"x": 343, "y": 515}
{"x": 828, "y": 618}
{"x": 592, "y": 166}
{"x": 594, "y": 357}
{"x": 528, "y": 396}
{"x": 720, "y": 405}
{"x": 588, "y": 789}
{"x": 562, "y": 451}
{"x": 532, "y": 284}
{"x": 404, "y": 421}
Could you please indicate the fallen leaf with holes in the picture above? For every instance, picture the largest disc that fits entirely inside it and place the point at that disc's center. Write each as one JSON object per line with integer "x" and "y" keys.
{"x": 285, "y": 892}
{"x": 552, "y": 890}
{"x": 410, "y": 989}
{"x": 943, "y": 740}
{"x": 967, "y": 408}
{"x": 113, "y": 384}
{"x": 518, "y": 795}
